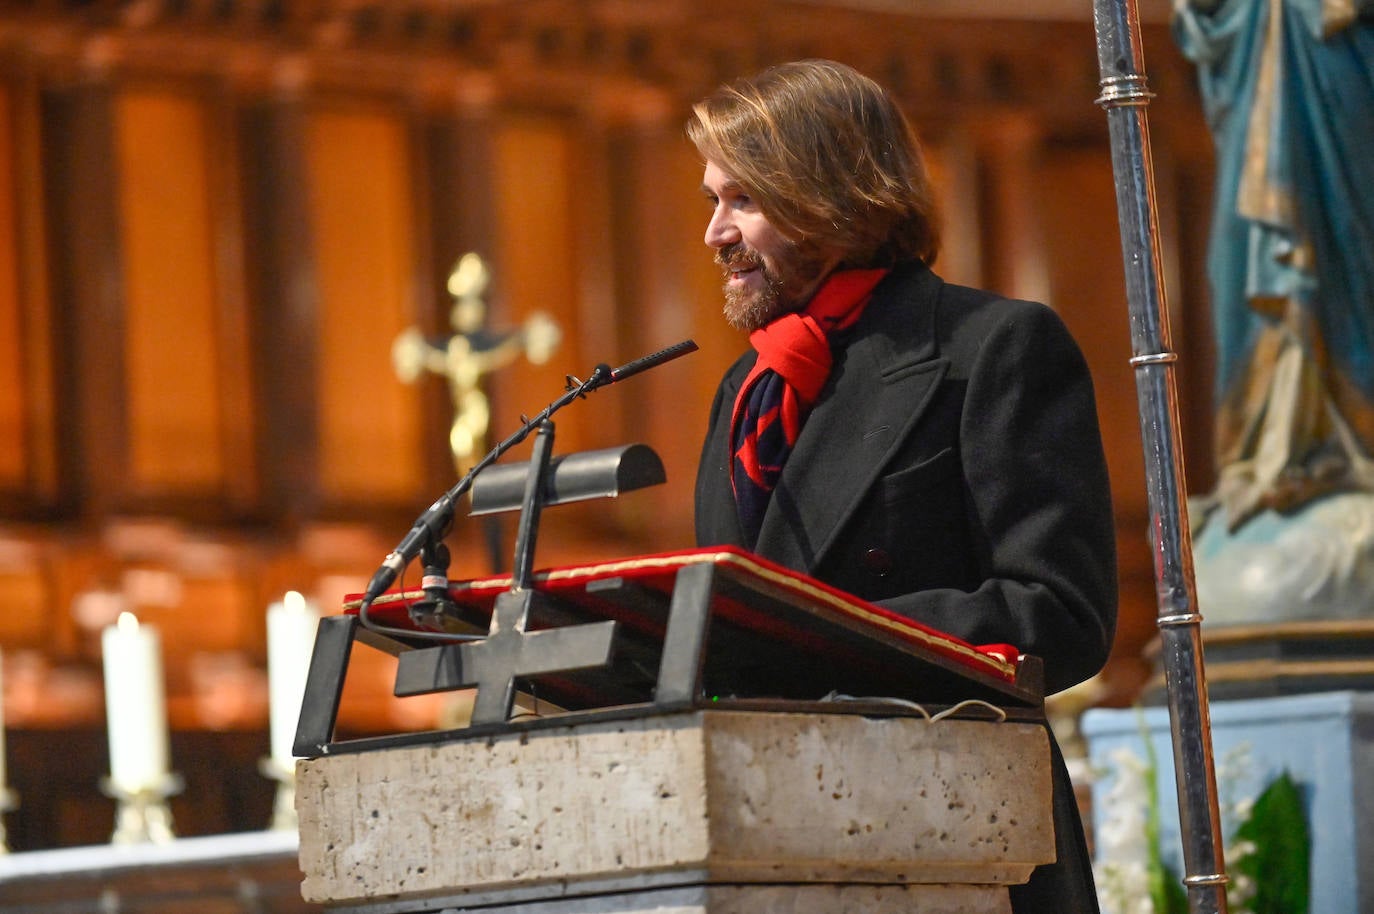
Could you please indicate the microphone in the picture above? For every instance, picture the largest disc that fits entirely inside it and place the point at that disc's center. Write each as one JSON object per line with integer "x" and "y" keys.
{"x": 652, "y": 360}
{"x": 431, "y": 526}
{"x": 434, "y": 582}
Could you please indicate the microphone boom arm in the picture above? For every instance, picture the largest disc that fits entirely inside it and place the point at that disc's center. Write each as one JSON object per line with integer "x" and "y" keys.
{"x": 434, "y": 523}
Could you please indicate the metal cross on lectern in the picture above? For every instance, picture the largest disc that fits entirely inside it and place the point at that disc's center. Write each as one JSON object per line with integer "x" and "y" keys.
{"x": 509, "y": 651}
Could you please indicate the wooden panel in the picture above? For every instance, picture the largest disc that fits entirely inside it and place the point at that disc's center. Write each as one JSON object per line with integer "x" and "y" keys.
{"x": 1076, "y": 197}
{"x": 535, "y": 251}
{"x": 28, "y": 446}
{"x": 1013, "y": 231}
{"x": 86, "y": 287}
{"x": 14, "y": 430}
{"x": 363, "y": 225}
{"x": 953, "y": 167}
{"x": 238, "y": 373}
{"x": 173, "y": 406}
{"x": 457, "y": 184}
{"x": 673, "y": 291}
{"x": 279, "y": 282}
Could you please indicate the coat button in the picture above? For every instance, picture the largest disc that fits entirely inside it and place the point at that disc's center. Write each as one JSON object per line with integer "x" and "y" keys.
{"x": 878, "y": 561}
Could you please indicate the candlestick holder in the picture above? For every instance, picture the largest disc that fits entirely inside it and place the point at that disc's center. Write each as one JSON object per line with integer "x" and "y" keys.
{"x": 143, "y": 816}
{"x": 284, "y": 807}
{"x": 9, "y": 802}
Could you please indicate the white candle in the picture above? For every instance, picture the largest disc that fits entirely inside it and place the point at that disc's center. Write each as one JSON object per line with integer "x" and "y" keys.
{"x": 291, "y": 628}
{"x": 135, "y": 705}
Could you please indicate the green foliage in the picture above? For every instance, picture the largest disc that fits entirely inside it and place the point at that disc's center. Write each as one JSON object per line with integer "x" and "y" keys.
{"x": 1280, "y": 862}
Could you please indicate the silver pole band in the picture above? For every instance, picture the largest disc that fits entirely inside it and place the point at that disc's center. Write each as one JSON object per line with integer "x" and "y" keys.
{"x": 1213, "y": 879}
{"x": 1124, "y": 91}
{"x": 1158, "y": 358}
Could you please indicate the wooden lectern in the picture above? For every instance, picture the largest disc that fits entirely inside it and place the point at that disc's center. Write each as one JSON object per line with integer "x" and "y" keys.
{"x": 717, "y": 734}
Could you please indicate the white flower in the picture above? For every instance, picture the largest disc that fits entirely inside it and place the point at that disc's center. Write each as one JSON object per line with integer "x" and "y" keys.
{"x": 1123, "y": 879}
{"x": 1124, "y": 888}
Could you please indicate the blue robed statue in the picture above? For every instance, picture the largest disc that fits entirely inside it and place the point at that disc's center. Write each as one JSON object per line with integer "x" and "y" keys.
{"x": 1288, "y": 89}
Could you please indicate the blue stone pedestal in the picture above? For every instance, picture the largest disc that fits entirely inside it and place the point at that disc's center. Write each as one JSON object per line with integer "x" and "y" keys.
{"x": 1324, "y": 741}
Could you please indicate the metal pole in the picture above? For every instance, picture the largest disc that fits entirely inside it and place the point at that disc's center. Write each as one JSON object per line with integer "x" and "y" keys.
{"x": 1125, "y": 98}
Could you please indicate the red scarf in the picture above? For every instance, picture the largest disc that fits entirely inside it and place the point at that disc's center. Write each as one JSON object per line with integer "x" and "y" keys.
{"x": 793, "y": 365}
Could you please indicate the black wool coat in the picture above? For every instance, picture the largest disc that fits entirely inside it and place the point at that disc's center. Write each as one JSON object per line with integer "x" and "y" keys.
{"x": 952, "y": 471}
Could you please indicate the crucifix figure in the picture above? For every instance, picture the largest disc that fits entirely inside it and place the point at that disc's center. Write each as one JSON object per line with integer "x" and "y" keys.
{"x": 469, "y": 354}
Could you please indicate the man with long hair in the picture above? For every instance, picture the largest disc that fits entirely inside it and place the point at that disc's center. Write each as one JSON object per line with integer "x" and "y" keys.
{"x": 928, "y": 447}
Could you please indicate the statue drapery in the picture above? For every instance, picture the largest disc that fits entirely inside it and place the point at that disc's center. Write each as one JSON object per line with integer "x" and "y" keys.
{"x": 1288, "y": 89}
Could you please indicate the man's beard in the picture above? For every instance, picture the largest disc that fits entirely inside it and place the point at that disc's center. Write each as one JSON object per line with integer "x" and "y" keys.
{"x": 785, "y": 281}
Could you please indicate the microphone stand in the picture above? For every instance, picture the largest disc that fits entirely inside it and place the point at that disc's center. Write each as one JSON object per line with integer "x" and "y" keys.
{"x": 433, "y": 525}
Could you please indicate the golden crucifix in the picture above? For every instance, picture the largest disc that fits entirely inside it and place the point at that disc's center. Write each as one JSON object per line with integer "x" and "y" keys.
{"x": 470, "y": 353}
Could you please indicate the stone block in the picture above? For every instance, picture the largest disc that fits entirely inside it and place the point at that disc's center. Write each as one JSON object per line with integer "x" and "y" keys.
{"x": 693, "y": 798}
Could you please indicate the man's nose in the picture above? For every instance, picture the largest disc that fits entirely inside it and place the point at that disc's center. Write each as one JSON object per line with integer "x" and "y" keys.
{"x": 721, "y": 230}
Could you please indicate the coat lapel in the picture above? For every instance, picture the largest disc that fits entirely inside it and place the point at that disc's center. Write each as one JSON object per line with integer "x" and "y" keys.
{"x": 878, "y": 389}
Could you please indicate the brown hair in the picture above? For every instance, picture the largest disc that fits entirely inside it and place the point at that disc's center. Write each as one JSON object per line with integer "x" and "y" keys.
{"x": 829, "y": 157}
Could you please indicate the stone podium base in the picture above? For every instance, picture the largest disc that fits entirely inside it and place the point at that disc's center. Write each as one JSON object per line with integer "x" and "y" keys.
{"x": 697, "y": 811}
